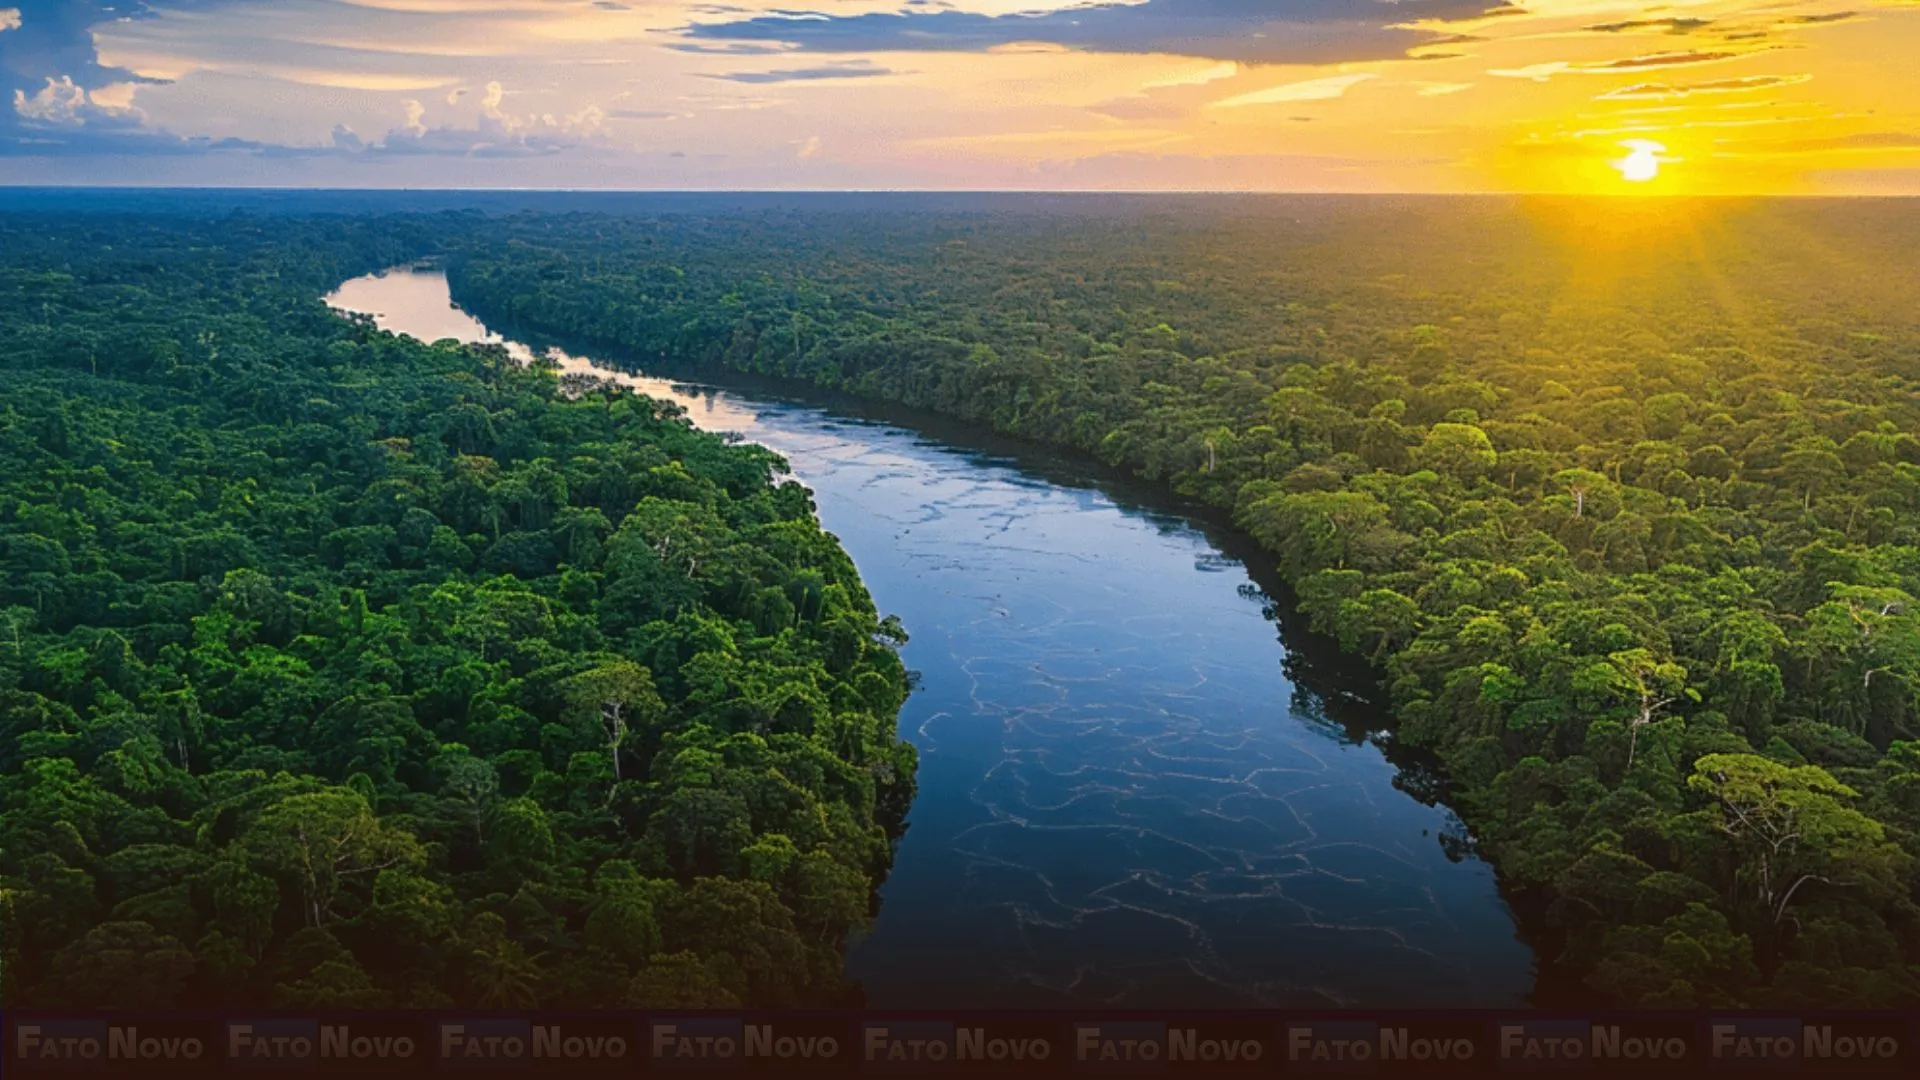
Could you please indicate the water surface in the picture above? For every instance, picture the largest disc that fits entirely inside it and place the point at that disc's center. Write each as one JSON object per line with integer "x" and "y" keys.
{"x": 1123, "y": 798}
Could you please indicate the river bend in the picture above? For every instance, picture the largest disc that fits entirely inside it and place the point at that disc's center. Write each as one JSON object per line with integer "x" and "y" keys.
{"x": 1123, "y": 799}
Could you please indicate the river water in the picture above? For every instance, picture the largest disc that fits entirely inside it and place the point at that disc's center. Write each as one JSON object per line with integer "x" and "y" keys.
{"x": 1123, "y": 799}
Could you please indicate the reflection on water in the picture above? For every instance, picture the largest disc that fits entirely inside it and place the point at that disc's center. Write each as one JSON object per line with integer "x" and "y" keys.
{"x": 415, "y": 302}
{"x": 1123, "y": 799}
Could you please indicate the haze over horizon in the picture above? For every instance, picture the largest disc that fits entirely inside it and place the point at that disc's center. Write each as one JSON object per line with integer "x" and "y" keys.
{"x": 1429, "y": 96}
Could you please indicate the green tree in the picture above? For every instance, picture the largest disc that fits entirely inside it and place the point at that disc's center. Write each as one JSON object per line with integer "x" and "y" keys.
{"x": 323, "y": 841}
{"x": 123, "y": 962}
{"x": 501, "y": 973}
{"x": 1648, "y": 684}
{"x": 1791, "y": 827}
{"x": 616, "y": 695}
{"x": 1461, "y": 451}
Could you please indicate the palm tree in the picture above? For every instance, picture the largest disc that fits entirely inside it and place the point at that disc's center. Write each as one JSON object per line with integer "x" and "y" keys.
{"x": 505, "y": 976}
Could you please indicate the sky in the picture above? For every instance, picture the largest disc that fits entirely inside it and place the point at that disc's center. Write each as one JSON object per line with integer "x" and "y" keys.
{"x": 1580, "y": 96}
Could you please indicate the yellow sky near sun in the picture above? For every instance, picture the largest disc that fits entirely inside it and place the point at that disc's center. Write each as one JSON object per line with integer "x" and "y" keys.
{"x": 1536, "y": 105}
{"x": 1739, "y": 96}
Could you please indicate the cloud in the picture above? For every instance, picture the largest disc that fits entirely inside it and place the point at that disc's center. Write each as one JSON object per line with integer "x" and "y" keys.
{"x": 731, "y": 48}
{"x": 1661, "y": 91}
{"x": 1141, "y": 107}
{"x": 1671, "y": 26}
{"x": 1537, "y": 72}
{"x": 65, "y": 97}
{"x": 1665, "y": 59}
{"x": 1733, "y": 28}
{"x": 53, "y": 39}
{"x": 496, "y": 133}
{"x": 1818, "y": 20}
{"x": 1169, "y": 96}
{"x": 1325, "y": 89}
{"x": 397, "y": 92}
{"x": 1546, "y": 70}
{"x": 1865, "y": 140}
{"x": 62, "y": 103}
{"x": 1214, "y": 73}
{"x": 1249, "y": 31}
{"x": 859, "y": 69}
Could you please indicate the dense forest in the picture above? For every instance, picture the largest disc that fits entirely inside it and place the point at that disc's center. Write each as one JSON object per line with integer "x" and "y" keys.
{"x": 1622, "y": 499}
{"x": 338, "y": 669}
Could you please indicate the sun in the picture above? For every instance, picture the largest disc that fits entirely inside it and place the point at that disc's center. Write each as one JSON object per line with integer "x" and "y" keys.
{"x": 1643, "y": 161}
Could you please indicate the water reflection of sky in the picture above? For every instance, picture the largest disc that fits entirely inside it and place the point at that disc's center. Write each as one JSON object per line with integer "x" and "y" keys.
{"x": 1118, "y": 801}
{"x": 416, "y": 302}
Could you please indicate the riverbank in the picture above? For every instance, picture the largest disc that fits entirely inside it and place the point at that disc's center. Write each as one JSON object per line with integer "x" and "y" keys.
{"x": 1543, "y": 521}
{"x": 1071, "y": 688}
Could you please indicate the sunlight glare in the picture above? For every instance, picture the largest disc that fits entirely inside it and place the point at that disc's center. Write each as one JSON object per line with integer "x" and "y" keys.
{"x": 1642, "y": 162}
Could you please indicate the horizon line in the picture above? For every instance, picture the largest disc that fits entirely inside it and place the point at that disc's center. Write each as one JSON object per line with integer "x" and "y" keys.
{"x": 1631, "y": 196}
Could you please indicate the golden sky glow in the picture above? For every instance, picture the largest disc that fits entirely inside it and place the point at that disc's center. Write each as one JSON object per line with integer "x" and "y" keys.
{"x": 1732, "y": 96}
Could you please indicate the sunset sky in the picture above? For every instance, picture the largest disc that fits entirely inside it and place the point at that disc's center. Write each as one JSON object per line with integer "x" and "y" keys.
{"x": 1717, "y": 96}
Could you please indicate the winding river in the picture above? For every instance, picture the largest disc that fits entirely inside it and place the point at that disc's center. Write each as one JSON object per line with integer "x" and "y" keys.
{"x": 1124, "y": 799}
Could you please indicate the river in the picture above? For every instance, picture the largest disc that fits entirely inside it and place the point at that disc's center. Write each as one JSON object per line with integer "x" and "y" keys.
{"x": 1123, "y": 798}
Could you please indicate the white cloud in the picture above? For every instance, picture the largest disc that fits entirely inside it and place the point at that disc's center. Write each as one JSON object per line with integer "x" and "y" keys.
{"x": 59, "y": 102}
{"x": 495, "y": 133}
{"x": 114, "y": 97}
{"x": 810, "y": 147}
{"x": 63, "y": 103}
{"x": 328, "y": 81}
{"x": 1536, "y": 72}
{"x": 9, "y": 19}
{"x": 1213, "y": 73}
{"x": 1325, "y": 89}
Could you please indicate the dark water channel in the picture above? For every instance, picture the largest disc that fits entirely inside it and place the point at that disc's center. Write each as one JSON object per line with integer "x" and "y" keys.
{"x": 1124, "y": 797}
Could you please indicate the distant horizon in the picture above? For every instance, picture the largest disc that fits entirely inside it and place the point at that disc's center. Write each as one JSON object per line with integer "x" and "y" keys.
{"x": 1621, "y": 196}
